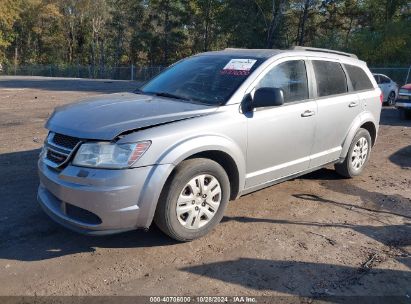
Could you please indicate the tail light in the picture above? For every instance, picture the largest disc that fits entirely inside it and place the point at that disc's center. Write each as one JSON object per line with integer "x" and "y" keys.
{"x": 381, "y": 97}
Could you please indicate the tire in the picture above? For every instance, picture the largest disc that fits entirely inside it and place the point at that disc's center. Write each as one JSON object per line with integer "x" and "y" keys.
{"x": 391, "y": 99}
{"x": 355, "y": 163}
{"x": 182, "y": 193}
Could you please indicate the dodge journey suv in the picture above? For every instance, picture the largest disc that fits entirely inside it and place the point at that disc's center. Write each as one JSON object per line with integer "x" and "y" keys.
{"x": 207, "y": 130}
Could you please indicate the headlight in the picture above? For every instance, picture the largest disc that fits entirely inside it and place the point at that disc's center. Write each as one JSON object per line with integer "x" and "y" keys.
{"x": 109, "y": 155}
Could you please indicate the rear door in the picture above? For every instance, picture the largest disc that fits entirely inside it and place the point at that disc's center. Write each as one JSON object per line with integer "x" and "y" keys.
{"x": 337, "y": 109}
{"x": 361, "y": 84}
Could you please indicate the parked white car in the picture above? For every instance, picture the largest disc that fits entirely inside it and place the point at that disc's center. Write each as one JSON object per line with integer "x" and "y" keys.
{"x": 388, "y": 87}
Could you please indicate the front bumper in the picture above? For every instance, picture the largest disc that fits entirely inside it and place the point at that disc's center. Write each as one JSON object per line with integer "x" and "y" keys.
{"x": 100, "y": 201}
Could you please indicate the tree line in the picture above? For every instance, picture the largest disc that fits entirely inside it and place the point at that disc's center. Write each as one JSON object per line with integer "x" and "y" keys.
{"x": 160, "y": 32}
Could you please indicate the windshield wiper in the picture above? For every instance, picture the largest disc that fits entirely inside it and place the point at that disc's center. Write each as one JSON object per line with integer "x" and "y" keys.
{"x": 162, "y": 94}
{"x": 170, "y": 95}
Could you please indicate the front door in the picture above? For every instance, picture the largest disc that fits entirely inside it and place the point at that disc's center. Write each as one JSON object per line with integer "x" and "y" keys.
{"x": 280, "y": 138}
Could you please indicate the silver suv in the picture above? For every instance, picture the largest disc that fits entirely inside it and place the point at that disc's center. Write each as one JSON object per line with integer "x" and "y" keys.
{"x": 207, "y": 130}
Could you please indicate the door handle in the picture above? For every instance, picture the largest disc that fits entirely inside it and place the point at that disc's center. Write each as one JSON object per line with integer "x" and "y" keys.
{"x": 307, "y": 113}
{"x": 353, "y": 104}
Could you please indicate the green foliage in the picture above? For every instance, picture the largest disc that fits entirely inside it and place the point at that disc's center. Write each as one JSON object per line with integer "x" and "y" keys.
{"x": 104, "y": 33}
{"x": 9, "y": 14}
{"x": 391, "y": 45}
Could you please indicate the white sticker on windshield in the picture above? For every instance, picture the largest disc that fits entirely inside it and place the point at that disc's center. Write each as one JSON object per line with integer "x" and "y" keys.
{"x": 239, "y": 66}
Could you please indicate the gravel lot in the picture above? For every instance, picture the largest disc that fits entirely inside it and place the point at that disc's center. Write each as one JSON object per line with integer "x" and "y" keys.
{"x": 312, "y": 236}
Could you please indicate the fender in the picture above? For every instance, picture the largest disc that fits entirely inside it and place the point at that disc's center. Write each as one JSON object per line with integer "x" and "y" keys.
{"x": 175, "y": 155}
{"x": 148, "y": 199}
{"x": 361, "y": 119}
{"x": 209, "y": 142}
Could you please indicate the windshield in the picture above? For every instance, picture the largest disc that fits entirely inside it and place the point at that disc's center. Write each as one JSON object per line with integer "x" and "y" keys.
{"x": 211, "y": 79}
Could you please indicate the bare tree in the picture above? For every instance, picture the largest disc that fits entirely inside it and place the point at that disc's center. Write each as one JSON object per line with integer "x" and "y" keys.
{"x": 277, "y": 12}
{"x": 303, "y": 21}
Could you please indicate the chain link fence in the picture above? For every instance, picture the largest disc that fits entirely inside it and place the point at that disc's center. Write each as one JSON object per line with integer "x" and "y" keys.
{"x": 400, "y": 75}
{"x": 80, "y": 71}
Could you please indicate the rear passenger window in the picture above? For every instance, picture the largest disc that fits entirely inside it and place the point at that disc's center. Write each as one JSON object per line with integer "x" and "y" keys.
{"x": 358, "y": 77}
{"x": 291, "y": 77}
{"x": 330, "y": 77}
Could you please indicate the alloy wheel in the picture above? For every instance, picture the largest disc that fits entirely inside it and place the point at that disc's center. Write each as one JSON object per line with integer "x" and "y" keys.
{"x": 359, "y": 154}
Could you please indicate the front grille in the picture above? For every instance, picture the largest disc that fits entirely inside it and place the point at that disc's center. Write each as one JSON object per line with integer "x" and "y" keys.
{"x": 82, "y": 215}
{"x": 59, "y": 149}
{"x": 65, "y": 141}
{"x": 55, "y": 157}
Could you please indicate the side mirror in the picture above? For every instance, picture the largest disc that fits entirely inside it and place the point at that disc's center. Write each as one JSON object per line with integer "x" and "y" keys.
{"x": 268, "y": 97}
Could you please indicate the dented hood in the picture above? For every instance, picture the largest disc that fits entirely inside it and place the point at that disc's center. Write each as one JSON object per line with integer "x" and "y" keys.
{"x": 105, "y": 117}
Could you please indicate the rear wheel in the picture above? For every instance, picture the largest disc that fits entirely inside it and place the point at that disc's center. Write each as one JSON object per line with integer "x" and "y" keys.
{"x": 193, "y": 200}
{"x": 391, "y": 99}
{"x": 357, "y": 156}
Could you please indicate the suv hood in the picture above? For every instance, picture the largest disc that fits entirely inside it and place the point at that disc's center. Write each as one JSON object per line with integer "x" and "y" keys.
{"x": 106, "y": 117}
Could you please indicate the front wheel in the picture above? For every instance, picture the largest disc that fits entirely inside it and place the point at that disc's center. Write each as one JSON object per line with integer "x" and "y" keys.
{"x": 193, "y": 200}
{"x": 357, "y": 156}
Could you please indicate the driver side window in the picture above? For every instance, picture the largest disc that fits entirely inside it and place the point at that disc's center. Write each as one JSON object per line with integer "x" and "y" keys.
{"x": 291, "y": 77}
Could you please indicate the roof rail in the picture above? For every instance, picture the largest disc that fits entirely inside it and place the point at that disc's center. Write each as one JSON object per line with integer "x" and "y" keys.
{"x": 312, "y": 49}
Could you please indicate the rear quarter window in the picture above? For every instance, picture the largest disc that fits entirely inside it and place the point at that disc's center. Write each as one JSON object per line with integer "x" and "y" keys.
{"x": 385, "y": 79}
{"x": 330, "y": 78}
{"x": 359, "y": 79}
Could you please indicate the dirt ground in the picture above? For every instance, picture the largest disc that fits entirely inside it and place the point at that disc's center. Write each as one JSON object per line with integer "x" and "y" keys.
{"x": 313, "y": 236}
